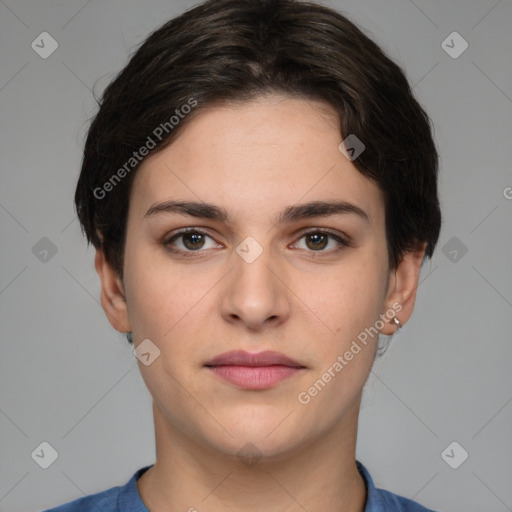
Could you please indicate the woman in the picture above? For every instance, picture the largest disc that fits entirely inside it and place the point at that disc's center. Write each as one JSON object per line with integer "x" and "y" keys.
{"x": 260, "y": 186}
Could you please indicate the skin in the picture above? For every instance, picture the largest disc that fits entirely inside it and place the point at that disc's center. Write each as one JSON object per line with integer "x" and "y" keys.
{"x": 255, "y": 159}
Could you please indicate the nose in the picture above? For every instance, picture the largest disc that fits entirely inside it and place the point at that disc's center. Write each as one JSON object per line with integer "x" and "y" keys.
{"x": 255, "y": 294}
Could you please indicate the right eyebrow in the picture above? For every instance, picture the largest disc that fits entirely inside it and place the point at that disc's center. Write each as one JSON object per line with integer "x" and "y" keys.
{"x": 191, "y": 208}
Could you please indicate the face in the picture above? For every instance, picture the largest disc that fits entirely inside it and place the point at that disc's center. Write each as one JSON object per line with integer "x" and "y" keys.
{"x": 256, "y": 271}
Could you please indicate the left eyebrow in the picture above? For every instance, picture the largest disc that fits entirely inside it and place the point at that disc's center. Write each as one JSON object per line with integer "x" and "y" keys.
{"x": 290, "y": 214}
{"x": 320, "y": 209}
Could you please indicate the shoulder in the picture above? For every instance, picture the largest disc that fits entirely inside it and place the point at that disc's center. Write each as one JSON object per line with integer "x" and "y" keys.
{"x": 106, "y": 501}
{"x": 380, "y": 500}
{"x": 391, "y": 501}
{"x": 122, "y": 498}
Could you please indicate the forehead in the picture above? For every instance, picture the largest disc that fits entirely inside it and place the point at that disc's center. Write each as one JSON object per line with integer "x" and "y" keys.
{"x": 256, "y": 156}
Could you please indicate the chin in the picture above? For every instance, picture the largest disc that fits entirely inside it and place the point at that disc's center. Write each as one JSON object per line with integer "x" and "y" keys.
{"x": 265, "y": 435}
{"x": 252, "y": 449}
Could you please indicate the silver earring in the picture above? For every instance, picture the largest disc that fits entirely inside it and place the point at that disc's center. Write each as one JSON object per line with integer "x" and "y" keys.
{"x": 129, "y": 336}
{"x": 397, "y": 322}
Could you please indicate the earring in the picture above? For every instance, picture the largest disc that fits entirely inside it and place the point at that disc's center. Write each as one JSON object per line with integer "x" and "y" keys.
{"x": 397, "y": 322}
{"x": 129, "y": 336}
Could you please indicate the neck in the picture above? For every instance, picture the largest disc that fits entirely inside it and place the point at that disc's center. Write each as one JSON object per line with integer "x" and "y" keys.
{"x": 321, "y": 475}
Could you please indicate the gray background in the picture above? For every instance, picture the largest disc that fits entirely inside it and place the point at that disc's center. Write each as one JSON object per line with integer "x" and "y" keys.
{"x": 69, "y": 379}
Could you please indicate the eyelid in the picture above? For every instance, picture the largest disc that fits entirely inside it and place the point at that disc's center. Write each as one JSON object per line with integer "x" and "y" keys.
{"x": 176, "y": 235}
{"x": 182, "y": 231}
{"x": 344, "y": 241}
{"x": 328, "y": 231}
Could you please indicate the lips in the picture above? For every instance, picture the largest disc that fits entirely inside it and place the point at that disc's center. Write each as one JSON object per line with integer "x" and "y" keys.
{"x": 253, "y": 371}
{"x": 242, "y": 358}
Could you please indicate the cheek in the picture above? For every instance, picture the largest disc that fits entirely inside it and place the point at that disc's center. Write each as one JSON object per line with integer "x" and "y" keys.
{"x": 348, "y": 297}
{"x": 162, "y": 307}
{"x": 349, "y": 304}
{"x": 160, "y": 293}
{"x": 172, "y": 307}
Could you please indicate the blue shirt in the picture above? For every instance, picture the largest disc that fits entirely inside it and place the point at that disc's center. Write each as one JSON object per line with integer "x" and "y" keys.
{"x": 126, "y": 498}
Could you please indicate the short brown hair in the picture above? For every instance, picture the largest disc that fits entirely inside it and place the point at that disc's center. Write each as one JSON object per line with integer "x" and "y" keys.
{"x": 235, "y": 50}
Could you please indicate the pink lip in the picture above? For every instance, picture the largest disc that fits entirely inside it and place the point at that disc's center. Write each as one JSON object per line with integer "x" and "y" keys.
{"x": 253, "y": 371}
{"x": 243, "y": 358}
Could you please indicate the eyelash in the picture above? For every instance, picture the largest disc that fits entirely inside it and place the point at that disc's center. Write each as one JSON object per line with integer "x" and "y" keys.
{"x": 343, "y": 243}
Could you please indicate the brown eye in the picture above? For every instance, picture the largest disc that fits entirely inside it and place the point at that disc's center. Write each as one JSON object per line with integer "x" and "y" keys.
{"x": 318, "y": 241}
{"x": 189, "y": 241}
{"x": 193, "y": 241}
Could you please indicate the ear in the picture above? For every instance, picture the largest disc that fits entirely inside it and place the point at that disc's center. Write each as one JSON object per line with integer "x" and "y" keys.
{"x": 403, "y": 284}
{"x": 113, "y": 298}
